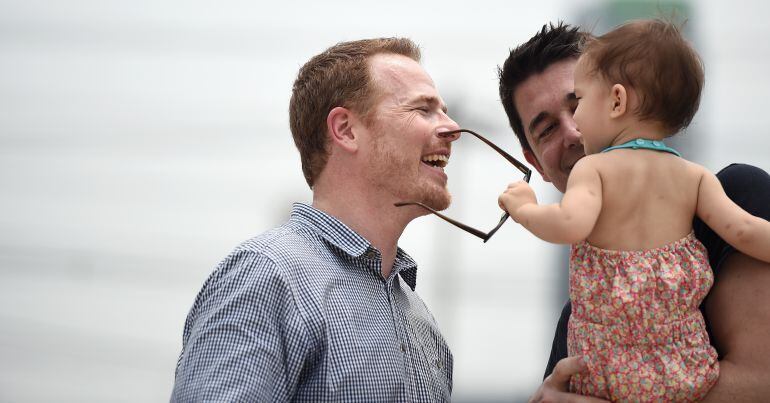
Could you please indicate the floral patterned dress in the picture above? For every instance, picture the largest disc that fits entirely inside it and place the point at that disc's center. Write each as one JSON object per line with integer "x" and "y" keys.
{"x": 635, "y": 318}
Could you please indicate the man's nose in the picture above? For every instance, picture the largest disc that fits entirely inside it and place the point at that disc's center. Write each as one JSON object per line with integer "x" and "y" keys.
{"x": 447, "y": 127}
{"x": 571, "y": 134}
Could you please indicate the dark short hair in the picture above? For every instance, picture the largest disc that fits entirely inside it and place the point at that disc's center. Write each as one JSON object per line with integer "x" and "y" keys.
{"x": 552, "y": 44}
{"x": 339, "y": 76}
{"x": 652, "y": 57}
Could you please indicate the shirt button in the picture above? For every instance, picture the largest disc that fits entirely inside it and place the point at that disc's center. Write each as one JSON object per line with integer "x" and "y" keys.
{"x": 438, "y": 364}
{"x": 640, "y": 142}
{"x": 403, "y": 347}
{"x": 370, "y": 254}
{"x": 656, "y": 143}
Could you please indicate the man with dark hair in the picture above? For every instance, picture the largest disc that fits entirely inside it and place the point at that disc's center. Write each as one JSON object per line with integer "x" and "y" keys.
{"x": 323, "y": 308}
{"x": 537, "y": 92}
{"x": 552, "y": 53}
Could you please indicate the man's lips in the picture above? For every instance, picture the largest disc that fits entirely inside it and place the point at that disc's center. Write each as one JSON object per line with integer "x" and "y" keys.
{"x": 436, "y": 160}
{"x": 435, "y": 170}
{"x": 433, "y": 167}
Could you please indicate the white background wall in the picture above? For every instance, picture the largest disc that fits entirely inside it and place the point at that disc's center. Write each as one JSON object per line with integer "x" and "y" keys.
{"x": 140, "y": 141}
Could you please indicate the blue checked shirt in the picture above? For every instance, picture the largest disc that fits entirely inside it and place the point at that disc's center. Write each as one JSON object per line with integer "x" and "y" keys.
{"x": 302, "y": 313}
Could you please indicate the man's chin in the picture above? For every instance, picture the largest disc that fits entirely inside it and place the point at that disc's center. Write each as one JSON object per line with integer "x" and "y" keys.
{"x": 438, "y": 200}
{"x": 560, "y": 184}
{"x": 435, "y": 197}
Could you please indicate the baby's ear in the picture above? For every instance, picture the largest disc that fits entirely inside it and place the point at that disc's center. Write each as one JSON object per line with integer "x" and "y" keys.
{"x": 619, "y": 100}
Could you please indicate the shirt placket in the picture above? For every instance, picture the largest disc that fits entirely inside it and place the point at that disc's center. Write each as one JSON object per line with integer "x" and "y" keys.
{"x": 425, "y": 369}
{"x": 403, "y": 344}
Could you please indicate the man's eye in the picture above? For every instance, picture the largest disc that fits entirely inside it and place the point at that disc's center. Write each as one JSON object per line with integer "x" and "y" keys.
{"x": 546, "y": 131}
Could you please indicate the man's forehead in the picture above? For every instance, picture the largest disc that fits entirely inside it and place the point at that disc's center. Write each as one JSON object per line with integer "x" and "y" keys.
{"x": 403, "y": 78}
{"x": 398, "y": 68}
{"x": 547, "y": 92}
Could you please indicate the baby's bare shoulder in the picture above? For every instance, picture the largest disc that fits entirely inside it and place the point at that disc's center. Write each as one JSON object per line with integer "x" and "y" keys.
{"x": 693, "y": 170}
{"x": 590, "y": 161}
{"x": 599, "y": 162}
{"x": 587, "y": 166}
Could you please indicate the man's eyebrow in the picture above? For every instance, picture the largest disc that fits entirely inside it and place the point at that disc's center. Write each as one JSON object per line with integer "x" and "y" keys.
{"x": 537, "y": 120}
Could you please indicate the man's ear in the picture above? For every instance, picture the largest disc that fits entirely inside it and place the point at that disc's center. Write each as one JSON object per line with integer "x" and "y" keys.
{"x": 339, "y": 125}
{"x": 619, "y": 99}
{"x": 530, "y": 157}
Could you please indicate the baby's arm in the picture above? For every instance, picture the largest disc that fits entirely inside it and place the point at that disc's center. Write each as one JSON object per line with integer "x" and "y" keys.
{"x": 570, "y": 221}
{"x": 745, "y": 232}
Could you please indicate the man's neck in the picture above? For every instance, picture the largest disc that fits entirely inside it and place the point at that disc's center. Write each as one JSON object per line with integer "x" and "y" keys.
{"x": 379, "y": 222}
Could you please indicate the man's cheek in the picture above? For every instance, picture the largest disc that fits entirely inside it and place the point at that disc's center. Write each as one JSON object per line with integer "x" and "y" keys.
{"x": 550, "y": 160}
{"x": 533, "y": 160}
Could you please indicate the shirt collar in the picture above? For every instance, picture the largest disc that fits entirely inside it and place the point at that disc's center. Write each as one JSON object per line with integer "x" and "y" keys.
{"x": 340, "y": 235}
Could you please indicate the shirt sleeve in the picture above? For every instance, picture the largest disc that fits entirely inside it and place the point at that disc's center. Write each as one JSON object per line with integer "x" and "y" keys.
{"x": 244, "y": 339}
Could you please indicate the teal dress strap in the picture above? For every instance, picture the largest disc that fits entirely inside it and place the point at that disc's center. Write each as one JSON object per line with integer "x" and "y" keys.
{"x": 645, "y": 144}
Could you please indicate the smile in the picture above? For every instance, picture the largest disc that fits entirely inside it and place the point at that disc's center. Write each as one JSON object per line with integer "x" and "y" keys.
{"x": 436, "y": 160}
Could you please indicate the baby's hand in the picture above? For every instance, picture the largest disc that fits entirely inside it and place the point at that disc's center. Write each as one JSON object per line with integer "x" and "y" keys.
{"x": 518, "y": 194}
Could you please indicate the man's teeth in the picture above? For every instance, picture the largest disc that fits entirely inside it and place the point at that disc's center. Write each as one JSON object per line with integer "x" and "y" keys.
{"x": 438, "y": 160}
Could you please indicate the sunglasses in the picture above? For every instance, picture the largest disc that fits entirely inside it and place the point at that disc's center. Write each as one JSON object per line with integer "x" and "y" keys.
{"x": 481, "y": 234}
